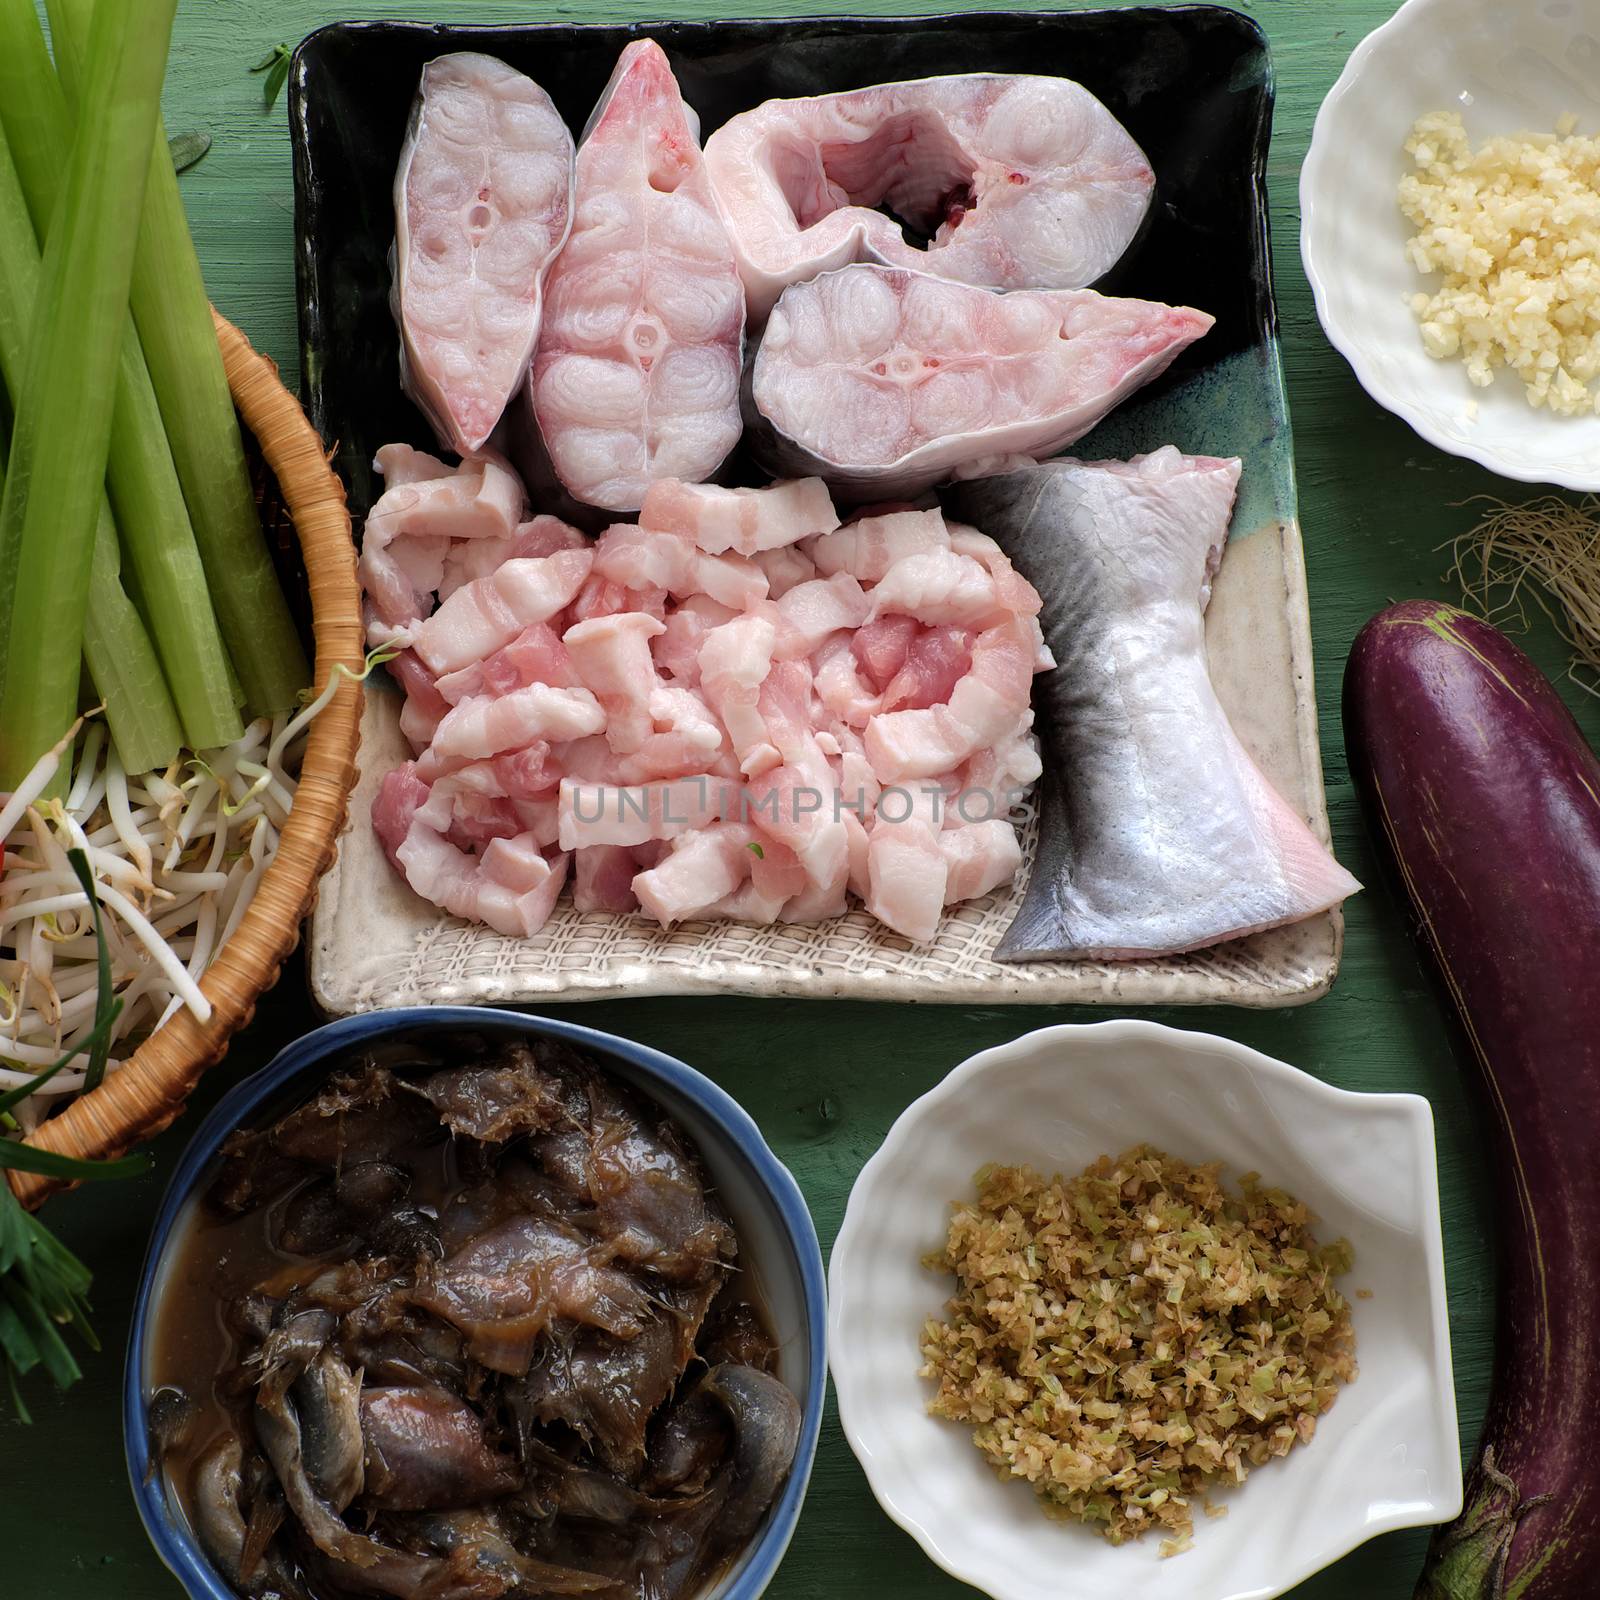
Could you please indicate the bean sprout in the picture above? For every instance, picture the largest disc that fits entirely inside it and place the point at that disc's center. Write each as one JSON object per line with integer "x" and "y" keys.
{"x": 176, "y": 858}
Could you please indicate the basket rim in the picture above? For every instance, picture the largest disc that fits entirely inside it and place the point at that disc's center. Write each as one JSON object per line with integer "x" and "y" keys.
{"x": 151, "y": 1088}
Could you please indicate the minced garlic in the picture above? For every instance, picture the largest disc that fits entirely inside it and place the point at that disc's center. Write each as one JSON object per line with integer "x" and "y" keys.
{"x": 1514, "y": 228}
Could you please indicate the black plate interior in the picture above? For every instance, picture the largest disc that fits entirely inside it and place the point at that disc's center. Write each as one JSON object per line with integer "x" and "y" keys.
{"x": 1192, "y": 84}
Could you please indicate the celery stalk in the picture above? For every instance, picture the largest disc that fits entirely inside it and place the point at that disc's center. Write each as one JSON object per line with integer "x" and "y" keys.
{"x": 165, "y": 568}
{"x": 173, "y": 315}
{"x": 122, "y": 662}
{"x": 62, "y": 433}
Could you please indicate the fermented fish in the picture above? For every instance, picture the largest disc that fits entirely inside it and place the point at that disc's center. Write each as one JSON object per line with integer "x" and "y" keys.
{"x": 884, "y": 382}
{"x": 637, "y": 373}
{"x": 1158, "y": 832}
{"x": 1018, "y": 183}
{"x": 482, "y": 203}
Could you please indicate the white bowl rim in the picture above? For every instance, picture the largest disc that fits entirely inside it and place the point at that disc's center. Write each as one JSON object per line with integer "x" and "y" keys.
{"x": 1415, "y": 1107}
{"x": 1311, "y": 172}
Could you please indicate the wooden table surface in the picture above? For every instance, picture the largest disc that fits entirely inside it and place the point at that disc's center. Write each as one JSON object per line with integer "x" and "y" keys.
{"x": 826, "y": 1080}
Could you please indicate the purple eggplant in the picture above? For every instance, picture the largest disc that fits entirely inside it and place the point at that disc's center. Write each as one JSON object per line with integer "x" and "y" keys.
{"x": 1477, "y": 779}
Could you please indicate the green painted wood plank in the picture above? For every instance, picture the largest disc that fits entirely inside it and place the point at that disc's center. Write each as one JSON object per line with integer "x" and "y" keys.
{"x": 825, "y": 1081}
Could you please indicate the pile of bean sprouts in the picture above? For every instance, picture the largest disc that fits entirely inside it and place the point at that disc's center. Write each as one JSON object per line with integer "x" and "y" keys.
{"x": 176, "y": 859}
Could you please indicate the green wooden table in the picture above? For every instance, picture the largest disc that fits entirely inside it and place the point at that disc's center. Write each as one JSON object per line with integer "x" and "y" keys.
{"x": 826, "y": 1080}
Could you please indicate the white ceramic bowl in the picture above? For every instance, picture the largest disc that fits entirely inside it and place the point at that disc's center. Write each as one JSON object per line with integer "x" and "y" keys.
{"x": 1384, "y": 1457}
{"x": 1506, "y": 66}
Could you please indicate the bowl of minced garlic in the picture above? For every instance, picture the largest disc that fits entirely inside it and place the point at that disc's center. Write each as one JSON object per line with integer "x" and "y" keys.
{"x": 1129, "y": 1340}
{"x": 1508, "y": 232}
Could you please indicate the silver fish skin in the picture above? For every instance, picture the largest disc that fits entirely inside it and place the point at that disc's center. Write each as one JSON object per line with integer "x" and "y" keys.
{"x": 636, "y": 378}
{"x": 1159, "y": 833}
{"x": 483, "y": 201}
{"x": 884, "y": 382}
{"x": 1020, "y": 181}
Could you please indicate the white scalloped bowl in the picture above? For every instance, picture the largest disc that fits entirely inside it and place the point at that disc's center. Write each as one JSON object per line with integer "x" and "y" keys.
{"x": 1385, "y": 1456}
{"x": 1507, "y": 66}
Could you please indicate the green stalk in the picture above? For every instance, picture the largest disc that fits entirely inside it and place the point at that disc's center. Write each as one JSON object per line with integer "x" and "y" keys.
{"x": 166, "y": 570}
{"x": 122, "y": 661}
{"x": 173, "y": 314}
{"x": 63, "y": 426}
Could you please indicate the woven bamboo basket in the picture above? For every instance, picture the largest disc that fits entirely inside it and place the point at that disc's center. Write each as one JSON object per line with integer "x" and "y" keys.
{"x": 149, "y": 1091}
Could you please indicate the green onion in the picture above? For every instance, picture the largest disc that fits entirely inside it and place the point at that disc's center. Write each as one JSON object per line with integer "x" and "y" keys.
{"x": 30, "y": 1158}
{"x": 166, "y": 571}
{"x": 173, "y": 314}
{"x": 122, "y": 661}
{"x": 62, "y": 433}
{"x": 43, "y": 1286}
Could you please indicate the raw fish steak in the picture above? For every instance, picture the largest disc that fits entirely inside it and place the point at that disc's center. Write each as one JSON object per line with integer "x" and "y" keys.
{"x": 1158, "y": 832}
{"x": 883, "y": 382}
{"x": 482, "y": 204}
{"x": 637, "y": 374}
{"x": 1018, "y": 183}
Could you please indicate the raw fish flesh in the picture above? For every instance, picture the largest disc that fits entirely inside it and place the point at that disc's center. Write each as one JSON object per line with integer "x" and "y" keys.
{"x": 883, "y": 381}
{"x": 482, "y": 203}
{"x": 1018, "y": 182}
{"x": 637, "y": 373}
{"x": 1158, "y": 832}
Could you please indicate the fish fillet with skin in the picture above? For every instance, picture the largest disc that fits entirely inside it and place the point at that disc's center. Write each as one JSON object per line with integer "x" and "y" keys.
{"x": 884, "y": 382}
{"x": 637, "y": 373}
{"x": 1158, "y": 833}
{"x": 1020, "y": 182}
{"x": 483, "y": 202}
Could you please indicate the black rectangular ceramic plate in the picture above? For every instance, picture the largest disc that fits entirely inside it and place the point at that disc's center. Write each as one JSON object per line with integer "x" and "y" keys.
{"x": 1193, "y": 84}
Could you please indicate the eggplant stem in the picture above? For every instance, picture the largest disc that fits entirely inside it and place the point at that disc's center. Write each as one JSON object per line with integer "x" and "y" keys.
{"x": 1492, "y": 1529}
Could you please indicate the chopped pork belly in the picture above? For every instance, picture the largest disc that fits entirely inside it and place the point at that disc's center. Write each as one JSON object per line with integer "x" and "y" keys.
{"x": 868, "y": 546}
{"x": 536, "y": 655}
{"x": 482, "y": 616}
{"x": 487, "y": 724}
{"x": 741, "y": 520}
{"x": 811, "y": 612}
{"x": 612, "y": 657}
{"x": 979, "y": 856}
{"x": 600, "y": 813}
{"x": 736, "y": 708}
{"x": 426, "y": 511}
{"x": 511, "y": 886}
{"x": 936, "y": 661}
{"x": 603, "y": 877}
{"x": 937, "y": 586}
{"x": 784, "y": 568}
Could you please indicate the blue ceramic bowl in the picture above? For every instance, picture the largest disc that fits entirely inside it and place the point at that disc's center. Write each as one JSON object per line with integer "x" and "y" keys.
{"x": 778, "y": 1247}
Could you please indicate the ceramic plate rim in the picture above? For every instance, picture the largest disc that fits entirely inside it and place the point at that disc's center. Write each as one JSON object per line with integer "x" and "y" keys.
{"x": 1414, "y": 1109}
{"x": 179, "y": 1549}
{"x": 1314, "y": 202}
{"x": 1295, "y": 966}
